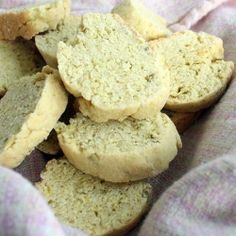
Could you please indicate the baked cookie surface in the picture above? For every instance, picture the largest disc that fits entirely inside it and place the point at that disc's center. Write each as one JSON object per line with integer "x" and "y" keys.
{"x": 120, "y": 151}
{"x": 18, "y": 59}
{"x": 143, "y": 20}
{"x": 29, "y": 20}
{"x": 90, "y": 204}
{"x": 47, "y": 43}
{"x": 29, "y": 111}
{"x": 198, "y": 73}
{"x": 113, "y": 72}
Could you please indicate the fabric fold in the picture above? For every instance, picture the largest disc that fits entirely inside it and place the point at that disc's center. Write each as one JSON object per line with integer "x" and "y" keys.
{"x": 202, "y": 202}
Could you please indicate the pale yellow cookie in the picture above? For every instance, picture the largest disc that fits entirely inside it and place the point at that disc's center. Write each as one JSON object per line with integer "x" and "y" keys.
{"x": 29, "y": 20}
{"x": 47, "y": 43}
{"x": 113, "y": 72}
{"x": 188, "y": 48}
{"x": 90, "y": 204}
{"x": 182, "y": 120}
{"x": 18, "y": 58}
{"x": 198, "y": 73}
{"x": 29, "y": 111}
{"x": 50, "y": 145}
{"x": 199, "y": 86}
{"x": 120, "y": 151}
{"x": 143, "y": 20}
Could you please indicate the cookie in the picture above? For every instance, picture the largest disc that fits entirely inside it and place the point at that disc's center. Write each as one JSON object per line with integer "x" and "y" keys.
{"x": 182, "y": 120}
{"x": 27, "y": 21}
{"x": 90, "y": 204}
{"x": 29, "y": 111}
{"x": 18, "y": 58}
{"x": 113, "y": 72}
{"x": 120, "y": 151}
{"x": 143, "y": 20}
{"x": 47, "y": 43}
{"x": 198, "y": 73}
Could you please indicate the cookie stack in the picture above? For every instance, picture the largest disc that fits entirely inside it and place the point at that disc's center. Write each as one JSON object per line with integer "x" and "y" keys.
{"x": 121, "y": 69}
{"x": 31, "y": 102}
{"x": 120, "y": 87}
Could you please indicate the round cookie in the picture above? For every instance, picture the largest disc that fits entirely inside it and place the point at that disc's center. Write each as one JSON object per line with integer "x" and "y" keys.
{"x": 47, "y": 43}
{"x": 113, "y": 71}
{"x": 90, "y": 204}
{"x": 199, "y": 86}
{"x": 182, "y": 120}
{"x": 50, "y": 145}
{"x": 120, "y": 151}
{"x": 143, "y": 20}
{"x": 198, "y": 73}
{"x": 18, "y": 58}
{"x": 27, "y": 21}
{"x": 29, "y": 111}
{"x": 188, "y": 48}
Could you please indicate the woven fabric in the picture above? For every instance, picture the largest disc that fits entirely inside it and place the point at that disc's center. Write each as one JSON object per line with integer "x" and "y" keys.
{"x": 196, "y": 195}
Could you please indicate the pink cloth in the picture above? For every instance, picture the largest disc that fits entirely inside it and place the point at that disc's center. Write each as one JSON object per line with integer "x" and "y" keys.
{"x": 203, "y": 202}
{"x": 22, "y": 209}
{"x": 196, "y": 195}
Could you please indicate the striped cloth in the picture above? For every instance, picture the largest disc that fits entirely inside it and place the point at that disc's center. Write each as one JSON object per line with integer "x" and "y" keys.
{"x": 197, "y": 194}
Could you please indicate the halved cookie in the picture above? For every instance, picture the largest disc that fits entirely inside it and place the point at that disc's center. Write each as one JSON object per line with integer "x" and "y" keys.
{"x": 90, "y": 204}
{"x": 120, "y": 151}
{"x": 182, "y": 120}
{"x": 31, "y": 19}
{"x": 18, "y": 59}
{"x": 143, "y": 20}
{"x": 198, "y": 86}
{"x": 113, "y": 71}
{"x": 29, "y": 111}
{"x": 47, "y": 43}
{"x": 198, "y": 73}
{"x": 50, "y": 145}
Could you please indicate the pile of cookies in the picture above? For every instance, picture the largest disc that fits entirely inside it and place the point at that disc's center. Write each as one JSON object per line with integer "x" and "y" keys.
{"x": 128, "y": 78}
